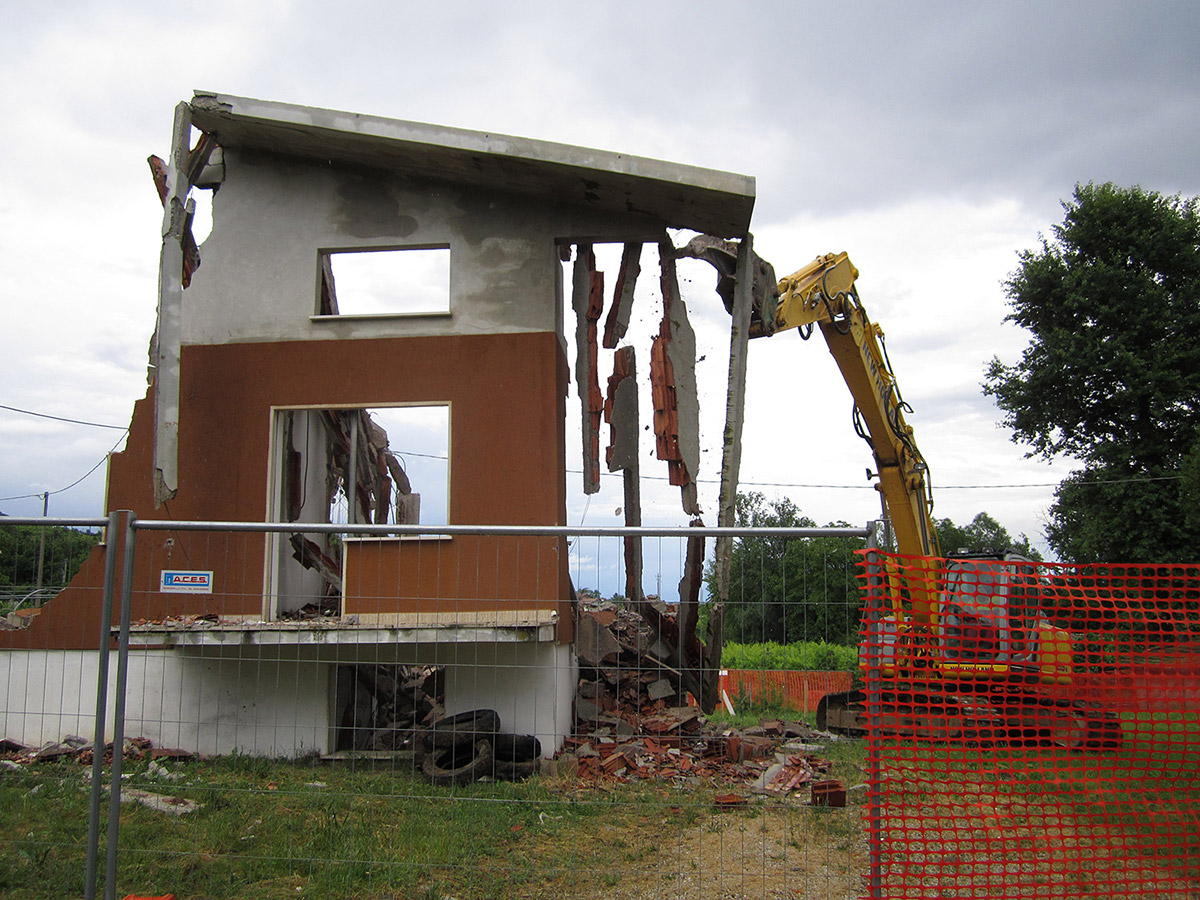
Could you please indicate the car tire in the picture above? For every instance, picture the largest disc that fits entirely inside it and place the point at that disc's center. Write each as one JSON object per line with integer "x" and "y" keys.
{"x": 516, "y": 748}
{"x": 453, "y": 766}
{"x": 462, "y": 729}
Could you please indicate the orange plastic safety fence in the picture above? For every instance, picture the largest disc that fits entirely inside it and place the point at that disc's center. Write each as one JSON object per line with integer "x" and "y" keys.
{"x": 791, "y": 689}
{"x": 1034, "y": 729}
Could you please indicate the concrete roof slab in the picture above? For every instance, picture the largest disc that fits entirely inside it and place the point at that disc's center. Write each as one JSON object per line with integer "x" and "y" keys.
{"x": 679, "y": 196}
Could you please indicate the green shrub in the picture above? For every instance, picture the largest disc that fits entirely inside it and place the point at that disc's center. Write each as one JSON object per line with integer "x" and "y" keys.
{"x": 801, "y": 656}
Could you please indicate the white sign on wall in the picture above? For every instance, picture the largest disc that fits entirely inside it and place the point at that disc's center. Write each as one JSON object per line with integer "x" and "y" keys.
{"x": 178, "y": 581}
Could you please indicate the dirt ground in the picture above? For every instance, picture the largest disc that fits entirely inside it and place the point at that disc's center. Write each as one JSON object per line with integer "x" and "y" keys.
{"x": 769, "y": 851}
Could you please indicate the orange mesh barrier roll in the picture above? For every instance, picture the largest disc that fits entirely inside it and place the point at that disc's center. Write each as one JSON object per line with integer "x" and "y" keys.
{"x": 1033, "y": 729}
{"x": 799, "y": 691}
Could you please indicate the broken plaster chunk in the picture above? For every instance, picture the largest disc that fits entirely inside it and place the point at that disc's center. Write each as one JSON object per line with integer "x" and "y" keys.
{"x": 802, "y": 747}
{"x": 660, "y": 690}
{"x": 617, "y": 322}
{"x": 595, "y": 644}
{"x": 584, "y": 285}
{"x": 408, "y": 509}
{"x": 565, "y": 766}
{"x": 621, "y": 412}
{"x": 660, "y": 651}
{"x": 586, "y": 710}
{"x": 763, "y": 784}
{"x": 157, "y": 770}
{"x": 673, "y": 380}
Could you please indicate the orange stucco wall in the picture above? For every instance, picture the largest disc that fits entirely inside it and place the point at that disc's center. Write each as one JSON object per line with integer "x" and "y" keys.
{"x": 507, "y": 453}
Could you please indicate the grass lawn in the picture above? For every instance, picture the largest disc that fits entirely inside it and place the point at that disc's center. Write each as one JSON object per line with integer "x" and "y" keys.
{"x": 274, "y": 829}
{"x": 1032, "y": 821}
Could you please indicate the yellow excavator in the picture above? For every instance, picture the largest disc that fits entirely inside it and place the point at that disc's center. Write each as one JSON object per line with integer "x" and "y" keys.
{"x": 963, "y": 643}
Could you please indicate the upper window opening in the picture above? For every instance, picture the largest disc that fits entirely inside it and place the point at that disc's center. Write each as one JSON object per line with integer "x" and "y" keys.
{"x": 408, "y": 281}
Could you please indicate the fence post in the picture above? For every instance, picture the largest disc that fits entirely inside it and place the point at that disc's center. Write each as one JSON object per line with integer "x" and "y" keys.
{"x": 114, "y": 795}
{"x": 874, "y": 636}
{"x": 93, "y": 845}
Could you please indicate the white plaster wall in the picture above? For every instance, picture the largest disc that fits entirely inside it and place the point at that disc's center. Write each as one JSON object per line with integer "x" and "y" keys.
{"x": 259, "y": 274}
{"x": 271, "y": 217}
{"x": 262, "y": 706}
{"x": 48, "y": 694}
{"x": 204, "y": 704}
{"x": 531, "y": 685}
{"x": 218, "y": 704}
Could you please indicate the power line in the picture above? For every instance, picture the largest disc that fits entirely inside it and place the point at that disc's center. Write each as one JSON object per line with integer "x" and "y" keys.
{"x": 29, "y": 412}
{"x": 962, "y": 487}
{"x": 770, "y": 484}
{"x": 422, "y": 455}
{"x": 871, "y": 487}
{"x": 73, "y": 483}
{"x": 970, "y": 487}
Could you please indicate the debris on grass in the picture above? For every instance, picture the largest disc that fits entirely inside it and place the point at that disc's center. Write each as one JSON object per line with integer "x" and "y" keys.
{"x": 176, "y": 806}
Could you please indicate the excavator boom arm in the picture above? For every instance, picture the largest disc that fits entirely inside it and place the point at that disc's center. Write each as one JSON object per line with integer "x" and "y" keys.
{"x": 822, "y": 295}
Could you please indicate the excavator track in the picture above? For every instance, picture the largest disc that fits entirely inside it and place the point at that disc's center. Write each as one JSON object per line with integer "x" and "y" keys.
{"x": 1014, "y": 717}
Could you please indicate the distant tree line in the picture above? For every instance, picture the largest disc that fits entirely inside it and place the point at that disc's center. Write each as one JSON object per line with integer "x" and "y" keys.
{"x": 64, "y": 551}
{"x": 784, "y": 591}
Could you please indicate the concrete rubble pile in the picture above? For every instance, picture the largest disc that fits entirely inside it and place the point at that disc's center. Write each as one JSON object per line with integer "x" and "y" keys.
{"x": 14, "y": 755}
{"x": 632, "y": 721}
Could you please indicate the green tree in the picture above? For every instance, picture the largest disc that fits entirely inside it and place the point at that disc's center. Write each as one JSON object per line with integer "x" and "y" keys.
{"x": 789, "y": 590}
{"x": 63, "y": 552}
{"x": 983, "y": 535}
{"x": 807, "y": 589}
{"x": 1112, "y": 374}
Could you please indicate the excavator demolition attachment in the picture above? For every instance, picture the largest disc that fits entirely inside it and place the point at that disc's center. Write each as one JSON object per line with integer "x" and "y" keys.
{"x": 963, "y": 647}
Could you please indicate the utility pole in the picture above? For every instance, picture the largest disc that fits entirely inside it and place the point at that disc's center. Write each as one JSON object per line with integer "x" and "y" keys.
{"x": 42, "y": 539}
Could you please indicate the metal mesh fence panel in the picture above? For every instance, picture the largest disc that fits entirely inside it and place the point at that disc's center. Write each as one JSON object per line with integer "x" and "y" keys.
{"x": 1033, "y": 729}
{"x": 467, "y": 713}
{"x": 50, "y": 746}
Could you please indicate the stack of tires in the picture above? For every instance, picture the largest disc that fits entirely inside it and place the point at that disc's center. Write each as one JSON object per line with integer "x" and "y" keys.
{"x": 469, "y": 746}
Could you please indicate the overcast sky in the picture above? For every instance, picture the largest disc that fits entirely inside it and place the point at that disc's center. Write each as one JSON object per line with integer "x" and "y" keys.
{"x": 932, "y": 141}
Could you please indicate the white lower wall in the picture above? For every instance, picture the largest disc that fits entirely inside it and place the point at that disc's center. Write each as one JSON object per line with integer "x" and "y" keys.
{"x": 275, "y": 707}
{"x": 48, "y": 694}
{"x": 531, "y": 685}
{"x": 216, "y": 703}
{"x": 206, "y": 704}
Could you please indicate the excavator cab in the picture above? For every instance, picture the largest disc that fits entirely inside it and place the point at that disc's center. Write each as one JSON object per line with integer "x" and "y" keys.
{"x": 975, "y": 625}
{"x": 992, "y": 622}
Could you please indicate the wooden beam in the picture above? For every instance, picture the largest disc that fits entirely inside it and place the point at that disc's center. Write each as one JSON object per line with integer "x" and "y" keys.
{"x": 735, "y": 409}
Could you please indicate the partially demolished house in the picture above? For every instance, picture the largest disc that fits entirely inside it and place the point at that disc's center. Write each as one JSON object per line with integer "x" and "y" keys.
{"x": 262, "y": 383}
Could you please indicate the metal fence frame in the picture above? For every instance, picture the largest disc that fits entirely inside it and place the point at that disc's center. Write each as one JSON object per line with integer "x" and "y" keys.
{"x": 121, "y": 527}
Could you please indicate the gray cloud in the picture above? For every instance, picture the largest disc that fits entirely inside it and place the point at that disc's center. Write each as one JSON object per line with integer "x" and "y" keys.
{"x": 932, "y": 140}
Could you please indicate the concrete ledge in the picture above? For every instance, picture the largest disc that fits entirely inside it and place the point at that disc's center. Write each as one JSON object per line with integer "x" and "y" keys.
{"x": 425, "y": 628}
{"x": 684, "y": 196}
